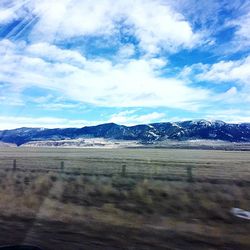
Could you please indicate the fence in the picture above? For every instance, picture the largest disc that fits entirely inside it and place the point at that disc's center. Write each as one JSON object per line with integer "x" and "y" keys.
{"x": 130, "y": 169}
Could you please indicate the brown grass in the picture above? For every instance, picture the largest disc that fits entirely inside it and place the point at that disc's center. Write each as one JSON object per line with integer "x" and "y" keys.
{"x": 201, "y": 207}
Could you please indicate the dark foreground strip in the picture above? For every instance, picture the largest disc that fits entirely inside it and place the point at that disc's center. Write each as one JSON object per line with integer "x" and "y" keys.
{"x": 21, "y": 247}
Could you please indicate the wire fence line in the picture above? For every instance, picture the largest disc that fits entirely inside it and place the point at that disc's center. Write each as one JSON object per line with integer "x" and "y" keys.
{"x": 160, "y": 170}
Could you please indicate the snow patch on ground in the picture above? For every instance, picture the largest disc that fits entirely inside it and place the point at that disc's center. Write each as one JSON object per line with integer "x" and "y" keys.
{"x": 84, "y": 143}
{"x": 3, "y": 144}
{"x": 240, "y": 213}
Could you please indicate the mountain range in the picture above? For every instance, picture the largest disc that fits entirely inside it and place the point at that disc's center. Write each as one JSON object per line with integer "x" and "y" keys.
{"x": 144, "y": 134}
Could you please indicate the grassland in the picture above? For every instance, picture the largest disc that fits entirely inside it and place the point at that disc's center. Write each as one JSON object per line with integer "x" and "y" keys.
{"x": 124, "y": 198}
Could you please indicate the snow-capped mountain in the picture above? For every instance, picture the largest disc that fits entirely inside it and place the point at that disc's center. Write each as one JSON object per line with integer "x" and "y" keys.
{"x": 146, "y": 133}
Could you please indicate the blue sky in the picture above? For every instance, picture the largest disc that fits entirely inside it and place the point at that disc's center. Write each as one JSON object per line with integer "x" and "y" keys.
{"x": 72, "y": 63}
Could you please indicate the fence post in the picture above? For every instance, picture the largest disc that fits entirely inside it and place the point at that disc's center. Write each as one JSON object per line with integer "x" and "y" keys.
{"x": 62, "y": 165}
{"x": 14, "y": 164}
{"x": 123, "y": 170}
{"x": 189, "y": 174}
{"x": 156, "y": 170}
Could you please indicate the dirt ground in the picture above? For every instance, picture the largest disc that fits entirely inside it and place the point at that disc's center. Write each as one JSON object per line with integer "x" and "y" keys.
{"x": 92, "y": 235}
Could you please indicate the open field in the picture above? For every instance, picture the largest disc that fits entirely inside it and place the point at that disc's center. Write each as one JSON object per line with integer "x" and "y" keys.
{"x": 124, "y": 198}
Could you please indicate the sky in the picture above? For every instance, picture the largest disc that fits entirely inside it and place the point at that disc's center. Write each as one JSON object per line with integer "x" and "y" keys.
{"x": 74, "y": 63}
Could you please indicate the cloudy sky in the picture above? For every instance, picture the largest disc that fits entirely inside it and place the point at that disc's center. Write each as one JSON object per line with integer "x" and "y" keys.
{"x": 71, "y": 63}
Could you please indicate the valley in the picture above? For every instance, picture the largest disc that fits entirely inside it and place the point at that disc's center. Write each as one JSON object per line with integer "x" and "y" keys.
{"x": 135, "y": 198}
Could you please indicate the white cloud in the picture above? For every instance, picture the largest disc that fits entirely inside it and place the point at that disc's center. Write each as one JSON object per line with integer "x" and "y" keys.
{"x": 53, "y": 53}
{"x": 238, "y": 70}
{"x": 233, "y": 75}
{"x": 126, "y": 51}
{"x": 59, "y": 106}
{"x": 229, "y": 115}
{"x": 157, "y": 26}
{"x": 243, "y": 27}
{"x": 6, "y": 15}
{"x": 234, "y": 71}
{"x": 150, "y": 117}
{"x": 152, "y": 22}
{"x": 124, "y": 118}
{"x": 10, "y": 10}
{"x": 129, "y": 117}
{"x": 128, "y": 83}
{"x": 11, "y": 122}
{"x": 241, "y": 39}
{"x": 69, "y": 18}
{"x": 232, "y": 95}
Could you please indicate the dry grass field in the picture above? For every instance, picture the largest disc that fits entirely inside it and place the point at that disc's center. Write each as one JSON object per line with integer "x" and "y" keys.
{"x": 124, "y": 198}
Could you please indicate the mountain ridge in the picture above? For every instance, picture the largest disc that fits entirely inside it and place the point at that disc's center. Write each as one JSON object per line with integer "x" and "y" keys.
{"x": 144, "y": 133}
